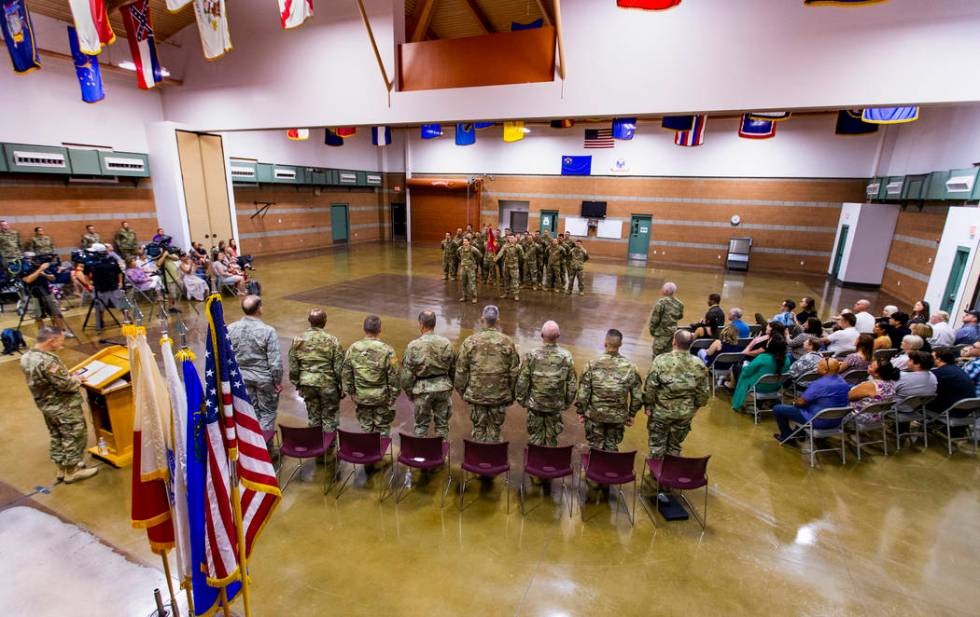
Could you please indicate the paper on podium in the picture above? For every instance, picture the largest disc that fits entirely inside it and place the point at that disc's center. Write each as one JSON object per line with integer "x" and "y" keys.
{"x": 96, "y": 372}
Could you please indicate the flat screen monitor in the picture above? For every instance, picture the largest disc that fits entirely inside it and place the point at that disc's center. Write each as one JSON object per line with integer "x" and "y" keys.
{"x": 594, "y": 209}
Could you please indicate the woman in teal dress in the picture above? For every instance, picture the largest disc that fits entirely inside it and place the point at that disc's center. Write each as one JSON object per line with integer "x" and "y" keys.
{"x": 773, "y": 360}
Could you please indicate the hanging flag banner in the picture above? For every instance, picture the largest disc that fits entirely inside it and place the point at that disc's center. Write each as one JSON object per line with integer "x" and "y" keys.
{"x": 292, "y": 13}
{"x": 750, "y": 128}
{"x": 623, "y": 128}
{"x": 840, "y": 2}
{"x": 890, "y": 115}
{"x": 677, "y": 123}
{"x": 298, "y": 134}
{"x": 850, "y": 124}
{"x": 18, "y": 33}
{"x": 482, "y": 125}
{"x": 562, "y": 124}
{"x": 86, "y": 69}
{"x": 92, "y": 25}
{"x": 380, "y": 135}
{"x": 599, "y": 138}
{"x": 576, "y": 165}
{"x": 649, "y": 5}
{"x": 514, "y": 131}
{"x": 772, "y": 116}
{"x": 465, "y": 134}
{"x": 533, "y": 25}
{"x": 142, "y": 44}
{"x": 332, "y": 139}
{"x": 345, "y": 131}
{"x": 175, "y": 5}
{"x": 431, "y": 131}
{"x": 212, "y": 25}
{"x": 694, "y": 137}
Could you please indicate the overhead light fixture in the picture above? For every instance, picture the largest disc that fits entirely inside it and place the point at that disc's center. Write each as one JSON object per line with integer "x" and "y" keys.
{"x": 130, "y": 66}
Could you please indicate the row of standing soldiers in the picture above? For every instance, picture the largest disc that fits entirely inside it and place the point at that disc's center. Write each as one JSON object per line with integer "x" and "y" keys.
{"x": 532, "y": 261}
{"x": 11, "y": 248}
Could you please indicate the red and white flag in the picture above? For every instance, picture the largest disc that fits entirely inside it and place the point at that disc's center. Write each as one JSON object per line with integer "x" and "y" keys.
{"x": 293, "y": 13}
{"x": 298, "y": 134}
{"x": 92, "y": 25}
{"x": 142, "y": 44}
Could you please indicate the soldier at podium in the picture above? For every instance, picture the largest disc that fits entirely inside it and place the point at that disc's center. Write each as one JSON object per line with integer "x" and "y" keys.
{"x": 58, "y": 396}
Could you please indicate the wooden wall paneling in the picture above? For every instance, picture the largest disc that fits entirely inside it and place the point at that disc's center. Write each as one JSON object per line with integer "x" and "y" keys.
{"x": 216, "y": 185}
{"x": 195, "y": 189}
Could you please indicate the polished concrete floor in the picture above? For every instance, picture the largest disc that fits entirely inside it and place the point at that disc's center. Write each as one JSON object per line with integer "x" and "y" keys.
{"x": 893, "y": 535}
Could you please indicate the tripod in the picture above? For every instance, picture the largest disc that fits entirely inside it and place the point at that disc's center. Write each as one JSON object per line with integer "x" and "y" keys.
{"x": 25, "y": 297}
{"x": 102, "y": 305}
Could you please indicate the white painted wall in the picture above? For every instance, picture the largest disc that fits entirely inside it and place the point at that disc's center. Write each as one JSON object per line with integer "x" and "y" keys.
{"x": 943, "y": 138}
{"x": 871, "y": 228}
{"x": 358, "y": 152}
{"x": 962, "y": 225}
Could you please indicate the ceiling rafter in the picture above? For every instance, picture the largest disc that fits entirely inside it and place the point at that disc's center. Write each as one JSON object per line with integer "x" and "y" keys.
{"x": 544, "y": 12}
{"x": 479, "y": 16}
{"x": 423, "y": 21}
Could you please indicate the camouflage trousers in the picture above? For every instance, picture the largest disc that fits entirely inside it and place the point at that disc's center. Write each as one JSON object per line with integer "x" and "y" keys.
{"x": 468, "y": 282}
{"x": 531, "y": 274}
{"x": 490, "y": 274}
{"x": 553, "y": 278}
{"x": 265, "y": 400}
{"x": 662, "y": 344}
{"x": 433, "y": 408}
{"x": 487, "y": 422}
{"x": 543, "y": 428}
{"x": 665, "y": 435}
{"x": 575, "y": 274}
{"x": 447, "y": 264}
{"x": 375, "y": 418}
{"x": 68, "y": 435}
{"x": 322, "y": 406}
{"x": 512, "y": 280}
{"x": 453, "y": 266}
{"x": 604, "y": 435}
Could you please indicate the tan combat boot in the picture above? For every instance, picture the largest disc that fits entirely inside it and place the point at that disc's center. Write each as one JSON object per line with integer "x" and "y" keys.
{"x": 61, "y": 472}
{"x": 79, "y": 472}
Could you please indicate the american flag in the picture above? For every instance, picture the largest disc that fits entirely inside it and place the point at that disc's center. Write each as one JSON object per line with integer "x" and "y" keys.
{"x": 599, "y": 138}
{"x": 240, "y": 443}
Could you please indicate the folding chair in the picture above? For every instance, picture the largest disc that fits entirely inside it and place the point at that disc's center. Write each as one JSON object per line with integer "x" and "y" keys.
{"x": 813, "y": 433}
{"x": 950, "y": 421}
{"x": 487, "y": 460}
{"x": 767, "y": 379}
{"x": 755, "y": 330}
{"x": 360, "y": 449}
{"x": 864, "y": 422}
{"x": 610, "y": 469}
{"x": 730, "y": 359}
{"x": 425, "y": 454}
{"x": 272, "y": 438}
{"x": 744, "y": 342}
{"x": 826, "y": 354}
{"x": 134, "y": 293}
{"x": 855, "y": 376}
{"x": 701, "y": 343}
{"x": 680, "y": 474}
{"x": 884, "y": 355}
{"x": 907, "y": 411}
{"x": 305, "y": 443}
{"x": 803, "y": 381}
{"x": 546, "y": 463}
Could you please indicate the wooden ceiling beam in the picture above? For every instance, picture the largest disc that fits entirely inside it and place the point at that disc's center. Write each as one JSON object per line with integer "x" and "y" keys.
{"x": 423, "y": 21}
{"x": 544, "y": 12}
{"x": 479, "y": 16}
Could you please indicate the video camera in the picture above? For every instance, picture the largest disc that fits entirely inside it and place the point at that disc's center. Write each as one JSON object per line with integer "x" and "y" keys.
{"x": 155, "y": 249}
{"x": 26, "y": 265}
{"x": 84, "y": 257}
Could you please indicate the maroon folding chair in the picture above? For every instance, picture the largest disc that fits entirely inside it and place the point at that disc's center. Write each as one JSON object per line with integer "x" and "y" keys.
{"x": 304, "y": 444}
{"x": 360, "y": 449}
{"x": 425, "y": 454}
{"x": 546, "y": 463}
{"x": 270, "y": 438}
{"x": 680, "y": 474}
{"x": 612, "y": 469}
{"x": 487, "y": 460}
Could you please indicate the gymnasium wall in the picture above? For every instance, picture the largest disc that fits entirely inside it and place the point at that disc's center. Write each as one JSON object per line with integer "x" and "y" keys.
{"x": 942, "y": 138}
{"x": 913, "y": 252}
{"x": 357, "y": 152}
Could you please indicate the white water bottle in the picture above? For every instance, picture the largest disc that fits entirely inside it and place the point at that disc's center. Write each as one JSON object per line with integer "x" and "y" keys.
{"x": 103, "y": 449}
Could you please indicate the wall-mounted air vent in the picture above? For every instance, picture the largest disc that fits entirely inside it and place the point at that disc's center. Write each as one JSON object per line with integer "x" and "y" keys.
{"x": 894, "y": 189}
{"x": 872, "y": 190}
{"x": 284, "y": 174}
{"x": 44, "y": 160}
{"x": 960, "y": 184}
{"x": 120, "y": 163}
{"x": 374, "y": 179}
{"x": 348, "y": 178}
{"x": 243, "y": 173}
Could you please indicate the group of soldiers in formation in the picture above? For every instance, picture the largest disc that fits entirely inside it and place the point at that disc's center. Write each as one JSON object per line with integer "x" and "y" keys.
{"x": 528, "y": 260}
{"x": 11, "y": 247}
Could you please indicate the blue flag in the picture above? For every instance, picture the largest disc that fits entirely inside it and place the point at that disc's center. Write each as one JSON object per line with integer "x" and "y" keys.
{"x": 332, "y": 139}
{"x": 87, "y": 70}
{"x": 380, "y": 135}
{"x": 678, "y": 123}
{"x": 465, "y": 134}
{"x": 431, "y": 131}
{"x": 890, "y": 115}
{"x": 18, "y": 32}
{"x": 624, "y": 128}
{"x": 205, "y": 598}
{"x": 533, "y": 25}
{"x": 482, "y": 125}
{"x": 850, "y": 123}
{"x": 576, "y": 165}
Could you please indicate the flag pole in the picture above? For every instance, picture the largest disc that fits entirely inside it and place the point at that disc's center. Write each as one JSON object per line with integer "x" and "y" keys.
{"x": 189, "y": 590}
{"x": 224, "y": 602}
{"x": 240, "y": 531}
{"x": 170, "y": 583}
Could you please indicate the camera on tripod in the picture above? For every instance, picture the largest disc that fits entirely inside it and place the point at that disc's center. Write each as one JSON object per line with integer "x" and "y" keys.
{"x": 85, "y": 257}
{"x": 26, "y": 265}
{"x": 155, "y": 249}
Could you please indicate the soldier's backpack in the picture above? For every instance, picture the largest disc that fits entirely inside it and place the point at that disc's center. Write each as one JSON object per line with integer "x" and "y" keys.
{"x": 13, "y": 341}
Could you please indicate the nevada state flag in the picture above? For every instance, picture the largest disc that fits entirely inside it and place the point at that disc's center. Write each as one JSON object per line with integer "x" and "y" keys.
{"x": 86, "y": 69}
{"x": 142, "y": 45}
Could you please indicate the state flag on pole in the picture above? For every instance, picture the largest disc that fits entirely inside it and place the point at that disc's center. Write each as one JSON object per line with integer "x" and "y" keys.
{"x": 142, "y": 44}
{"x": 650, "y": 5}
{"x": 86, "y": 70}
{"x": 212, "y": 26}
{"x": 381, "y": 135}
{"x": 298, "y": 134}
{"x": 293, "y": 13}
{"x": 677, "y": 123}
{"x": 92, "y": 24}
{"x": 18, "y": 33}
{"x": 890, "y": 115}
{"x": 178, "y": 461}
{"x": 750, "y": 128}
{"x": 465, "y": 134}
{"x": 624, "y": 128}
{"x": 514, "y": 131}
{"x": 849, "y": 123}
{"x": 694, "y": 137}
{"x": 151, "y": 443}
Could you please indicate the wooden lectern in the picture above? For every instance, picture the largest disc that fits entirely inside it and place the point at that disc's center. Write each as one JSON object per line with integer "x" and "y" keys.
{"x": 110, "y": 399}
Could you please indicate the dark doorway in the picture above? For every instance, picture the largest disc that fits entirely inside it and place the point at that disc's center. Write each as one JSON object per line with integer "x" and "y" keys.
{"x": 399, "y": 225}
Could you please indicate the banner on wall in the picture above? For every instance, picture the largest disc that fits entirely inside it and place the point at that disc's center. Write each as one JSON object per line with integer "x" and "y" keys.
{"x": 212, "y": 25}
{"x": 86, "y": 70}
{"x": 562, "y": 124}
{"x": 430, "y": 131}
{"x": 514, "y": 131}
{"x": 752, "y": 128}
{"x": 677, "y": 123}
{"x": 624, "y": 128}
{"x": 91, "y": 25}
{"x": 380, "y": 135}
{"x": 345, "y": 131}
{"x": 465, "y": 134}
{"x": 850, "y": 123}
{"x": 298, "y": 134}
{"x": 142, "y": 43}
{"x": 18, "y": 34}
{"x": 694, "y": 137}
{"x": 890, "y": 115}
{"x": 332, "y": 139}
{"x": 598, "y": 138}
{"x": 576, "y": 165}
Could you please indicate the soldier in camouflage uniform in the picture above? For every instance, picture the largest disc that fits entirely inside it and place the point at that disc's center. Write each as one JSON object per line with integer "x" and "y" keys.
{"x": 447, "y": 255}
{"x": 125, "y": 241}
{"x": 469, "y": 267}
{"x": 315, "y": 361}
{"x": 40, "y": 244}
{"x": 428, "y": 368}
{"x": 370, "y": 377}
{"x": 610, "y": 393}
{"x": 58, "y": 396}
{"x": 530, "y": 275}
{"x": 546, "y": 387}
{"x": 256, "y": 347}
{"x": 490, "y": 275}
{"x": 486, "y": 373}
{"x": 663, "y": 319}
{"x": 554, "y": 260}
{"x": 676, "y": 387}
{"x": 90, "y": 238}
{"x": 10, "y": 247}
{"x": 511, "y": 255}
{"x": 567, "y": 245}
{"x": 576, "y": 264}
{"x": 544, "y": 243}
{"x": 457, "y": 242}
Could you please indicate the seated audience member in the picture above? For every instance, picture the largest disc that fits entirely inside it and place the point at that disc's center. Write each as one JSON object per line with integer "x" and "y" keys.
{"x": 909, "y": 343}
{"x": 758, "y": 345}
{"x": 194, "y": 286}
{"x": 942, "y": 333}
{"x": 879, "y": 387}
{"x": 245, "y": 261}
{"x": 865, "y": 321}
{"x": 923, "y": 331}
{"x": 973, "y": 351}
{"x": 159, "y": 235}
{"x": 226, "y": 278}
{"x": 808, "y": 310}
{"x": 714, "y": 319}
{"x": 807, "y": 363}
{"x": 727, "y": 342}
{"x": 882, "y": 340}
{"x": 972, "y": 368}
{"x": 735, "y": 319}
{"x": 952, "y": 382}
{"x": 830, "y": 390}
{"x": 920, "y": 313}
{"x": 889, "y": 310}
{"x": 969, "y": 333}
{"x": 139, "y": 278}
{"x": 862, "y": 356}
{"x": 786, "y": 316}
{"x": 812, "y": 330}
{"x": 899, "y": 323}
{"x": 774, "y": 360}
{"x": 918, "y": 380}
{"x": 80, "y": 282}
{"x": 845, "y": 338}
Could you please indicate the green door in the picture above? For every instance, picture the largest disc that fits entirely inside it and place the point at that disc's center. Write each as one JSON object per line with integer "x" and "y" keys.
{"x": 338, "y": 222}
{"x": 839, "y": 253}
{"x": 549, "y": 222}
{"x": 639, "y": 236}
{"x": 955, "y": 278}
